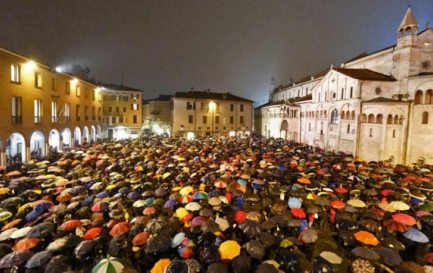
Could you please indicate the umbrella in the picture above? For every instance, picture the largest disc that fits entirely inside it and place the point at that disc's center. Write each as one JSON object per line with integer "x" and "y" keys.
{"x": 159, "y": 266}
{"x": 6, "y": 235}
{"x": 416, "y": 235}
{"x": 399, "y": 205}
{"x": 56, "y": 264}
{"x": 4, "y": 215}
{"x": 158, "y": 243}
{"x": 15, "y": 258}
{"x": 70, "y": 224}
{"x": 199, "y": 195}
{"x": 170, "y": 203}
{"x": 298, "y": 213}
{"x": 308, "y": 236}
{"x": 11, "y": 224}
{"x": 389, "y": 256}
{"x": 185, "y": 252}
{"x": 240, "y": 216}
{"x": 331, "y": 257}
{"x": 338, "y": 204}
{"x": 251, "y": 228}
{"x": 140, "y": 238}
{"x": 365, "y": 253}
{"x": 19, "y": 232}
{"x": 356, "y": 203}
{"x": 223, "y": 224}
{"x": 26, "y": 244}
{"x": 41, "y": 230}
{"x": 177, "y": 239}
{"x": 404, "y": 219}
{"x": 193, "y": 206}
{"x": 108, "y": 265}
{"x": 295, "y": 202}
{"x": 83, "y": 248}
{"x": 40, "y": 259}
{"x": 366, "y": 237}
{"x": 393, "y": 226}
{"x": 392, "y": 242}
{"x": 92, "y": 233}
{"x": 57, "y": 244}
{"x": 255, "y": 249}
{"x": 241, "y": 264}
{"x": 229, "y": 249}
{"x": 362, "y": 266}
{"x": 119, "y": 228}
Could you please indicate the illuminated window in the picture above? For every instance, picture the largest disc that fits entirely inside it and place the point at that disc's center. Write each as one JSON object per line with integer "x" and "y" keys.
{"x": 67, "y": 112}
{"x": 16, "y": 110}
{"x": 38, "y": 80}
{"x": 134, "y": 106}
{"x": 54, "y": 111}
{"x": 37, "y": 111}
{"x": 15, "y": 73}
{"x": 77, "y": 91}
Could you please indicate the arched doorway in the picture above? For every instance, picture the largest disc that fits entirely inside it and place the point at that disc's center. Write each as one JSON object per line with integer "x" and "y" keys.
{"x": 16, "y": 148}
{"x": 98, "y": 132}
{"x": 66, "y": 138}
{"x": 37, "y": 144}
{"x": 77, "y": 135}
{"x": 86, "y": 138}
{"x": 54, "y": 139}
{"x": 93, "y": 133}
{"x": 284, "y": 128}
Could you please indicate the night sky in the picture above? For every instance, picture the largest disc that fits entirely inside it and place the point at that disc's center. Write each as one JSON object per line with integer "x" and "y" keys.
{"x": 164, "y": 46}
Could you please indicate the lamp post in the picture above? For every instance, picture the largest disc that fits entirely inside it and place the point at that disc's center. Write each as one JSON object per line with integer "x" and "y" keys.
{"x": 212, "y": 107}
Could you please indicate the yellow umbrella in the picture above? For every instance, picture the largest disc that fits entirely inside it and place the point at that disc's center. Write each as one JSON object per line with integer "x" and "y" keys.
{"x": 285, "y": 243}
{"x": 177, "y": 188}
{"x": 186, "y": 190}
{"x": 110, "y": 187}
{"x": 386, "y": 207}
{"x": 356, "y": 203}
{"x": 181, "y": 213}
{"x": 24, "y": 207}
{"x": 229, "y": 249}
{"x": 159, "y": 266}
{"x": 399, "y": 205}
{"x": 165, "y": 175}
{"x": 4, "y": 191}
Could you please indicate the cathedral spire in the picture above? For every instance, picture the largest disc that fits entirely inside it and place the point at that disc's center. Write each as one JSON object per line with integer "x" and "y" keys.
{"x": 409, "y": 24}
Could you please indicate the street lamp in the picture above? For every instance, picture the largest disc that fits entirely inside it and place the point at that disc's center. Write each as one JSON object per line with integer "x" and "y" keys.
{"x": 212, "y": 107}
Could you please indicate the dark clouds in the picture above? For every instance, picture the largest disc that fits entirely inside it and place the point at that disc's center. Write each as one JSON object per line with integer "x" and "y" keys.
{"x": 226, "y": 45}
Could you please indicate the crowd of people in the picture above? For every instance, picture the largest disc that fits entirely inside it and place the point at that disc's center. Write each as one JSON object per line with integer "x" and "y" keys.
{"x": 216, "y": 205}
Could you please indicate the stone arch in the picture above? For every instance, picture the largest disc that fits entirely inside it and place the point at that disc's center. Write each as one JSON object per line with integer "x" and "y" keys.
{"x": 37, "y": 144}
{"x": 418, "y": 97}
{"x": 67, "y": 138}
{"x": 389, "y": 119}
{"x": 92, "y": 133}
{"x": 428, "y": 97}
{"x": 379, "y": 118}
{"x": 370, "y": 118}
{"x": 86, "y": 135}
{"x": 16, "y": 148}
{"x": 54, "y": 139}
{"x": 77, "y": 136}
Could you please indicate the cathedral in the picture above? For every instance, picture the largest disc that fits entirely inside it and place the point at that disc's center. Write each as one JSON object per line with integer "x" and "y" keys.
{"x": 376, "y": 106}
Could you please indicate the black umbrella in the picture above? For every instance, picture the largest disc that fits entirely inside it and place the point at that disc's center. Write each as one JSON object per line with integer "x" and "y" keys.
{"x": 250, "y": 227}
{"x": 217, "y": 268}
{"x": 255, "y": 249}
{"x": 288, "y": 261}
{"x": 41, "y": 230}
{"x": 5, "y": 249}
{"x": 209, "y": 254}
{"x": 390, "y": 257}
{"x": 11, "y": 203}
{"x": 266, "y": 268}
{"x": 241, "y": 264}
{"x": 116, "y": 244}
{"x": 15, "y": 258}
{"x": 159, "y": 243}
{"x": 40, "y": 259}
{"x": 84, "y": 248}
{"x": 267, "y": 239}
{"x": 177, "y": 267}
{"x": 56, "y": 264}
{"x": 365, "y": 253}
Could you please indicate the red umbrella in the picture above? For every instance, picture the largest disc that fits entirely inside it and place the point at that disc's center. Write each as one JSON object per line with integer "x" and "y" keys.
{"x": 99, "y": 207}
{"x": 240, "y": 216}
{"x": 92, "y": 233}
{"x": 149, "y": 211}
{"x": 386, "y": 192}
{"x": 429, "y": 257}
{"x": 341, "y": 190}
{"x": 71, "y": 224}
{"x": 298, "y": 213}
{"x": 338, "y": 204}
{"x": 185, "y": 199}
{"x": 119, "y": 229}
{"x": 140, "y": 238}
{"x": 393, "y": 226}
{"x": 26, "y": 244}
{"x": 404, "y": 218}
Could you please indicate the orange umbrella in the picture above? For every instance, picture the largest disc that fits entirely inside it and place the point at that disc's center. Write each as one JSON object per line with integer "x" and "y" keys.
{"x": 92, "y": 233}
{"x": 159, "y": 266}
{"x": 71, "y": 224}
{"x": 13, "y": 173}
{"x": 366, "y": 237}
{"x": 404, "y": 218}
{"x": 304, "y": 180}
{"x": 140, "y": 238}
{"x": 11, "y": 224}
{"x": 393, "y": 226}
{"x": 26, "y": 244}
{"x": 64, "y": 197}
{"x": 149, "y": 211}
{"x": 119, "y": 228}
{"x": 338, "y": 204}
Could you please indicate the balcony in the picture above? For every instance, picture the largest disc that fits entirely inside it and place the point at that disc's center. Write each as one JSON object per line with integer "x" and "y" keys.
{"x": 17, "y": 119}
{"x": 37, "y": 119}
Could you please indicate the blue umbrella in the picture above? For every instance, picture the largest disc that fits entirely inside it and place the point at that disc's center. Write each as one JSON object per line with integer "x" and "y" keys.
{"x": 242, "y": 182}
{"x": 295, "y": 203}
{"x": 133, "y": 195}
{"x": 239, "y": 201}
{"x": 87, "y": 202}
{"x": 149, "y": 201}
{"x": 102, "y": 194}
{"x": 170, "y": 203}
{"x": 416, "y": 235}
{"x": 33, "y": 215}
{"x": 416, "y": 201}
{"x": 281, "y": 168}
{"x": 42, "y": 206}
{"x": 118, "y": 195}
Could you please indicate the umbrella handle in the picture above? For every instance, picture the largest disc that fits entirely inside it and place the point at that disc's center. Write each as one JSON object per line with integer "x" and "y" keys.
{"x": 384, "y": 267}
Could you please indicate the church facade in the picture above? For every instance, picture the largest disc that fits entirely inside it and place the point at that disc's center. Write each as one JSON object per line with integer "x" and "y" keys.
{"x": 377, "y": 106}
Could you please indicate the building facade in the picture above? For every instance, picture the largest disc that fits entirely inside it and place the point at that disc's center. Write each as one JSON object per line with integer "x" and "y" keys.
{"x": 377, "y": 106}
{"x": 156, "y": 115}
{"x": 205, "y": 113}
{"x": 41, "y": 108}
{"x": 122, "y": 111}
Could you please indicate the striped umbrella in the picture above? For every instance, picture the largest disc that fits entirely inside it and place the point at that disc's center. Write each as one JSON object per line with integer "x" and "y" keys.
{"x": 108, "y": 265}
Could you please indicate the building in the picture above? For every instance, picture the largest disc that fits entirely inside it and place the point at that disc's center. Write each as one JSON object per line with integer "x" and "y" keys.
{"x": 42, "y": 108}
{"x": 377, "y": 106}
{"x": 156, "y": 115}
{"x": 122, "y": 111}
{"x": 205, "y": 113}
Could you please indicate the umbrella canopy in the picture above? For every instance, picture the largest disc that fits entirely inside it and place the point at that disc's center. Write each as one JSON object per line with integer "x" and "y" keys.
{"x": 356, "y": 203}
{"x": 399, "y": 205}
{"x": 160, "y": 266}
{"x": 365, "y": 253}
{"x": 250, "y": 227}
{"x": 119, "y": 228}
{"x": 83, "y": 248}
{"x": 92, "y": 233}
{"x": 108, "y": 265}
{"x": 140, "y": 238}
{"x": 308, "y": 236}
{"x": 229, "y": 249}
{"x": 366, "y": 237}
{"x": 331, "y": 257}
{"x": 394, "y": 226}
{"x": 15, "y": 258}
{"x": 40, "y": 259}
{"x": 26, "y": 244}
{"x": 389, "y": 256}
{"x": 416, "y": 235}
{"x": 255, "y": 249}
{"x": 404, "y": 219}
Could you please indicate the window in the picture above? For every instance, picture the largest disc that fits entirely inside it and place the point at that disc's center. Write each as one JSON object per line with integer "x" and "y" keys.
{"x": 418, "y": 97}
{"x": 37, "y": 111}
{"x": 134, "y": 106}
{"x": 125, "y": 98}
{"x": 38, "y": 80}
{"x": 53, "y": 84}
{"x": 99, "y": 113}
{"x": 86, "y": 112}
{"x": 117, "y": 109}
{"x": 334, "y": 116}
{"x": 241, "y": 120}
{"x": 110, "y": 109}
{"x": 16, "y": 110}
{"x": 348, "y": 129}
{"x": 371, "y": 132}
{"x": 189, "y": 105}
{"x": 190, "y": 119}
{"x": 379, "y": 118}
{"x": 120, "y": 119}
{"x": 67, "y": 112}
{"x": 351, "y": 91}
{"x": 342, "y": 93}
{"x": 371, "y": 118}
{"x": 124, "y": 109}
{"x": 389, "y": 119}
{"x": 217, "y": 119}
{"x": 429, "y": 97}
{"x": 232, "y": 107}
{"x": 77, "y": 91}
{"x": 77, "y": 112}
{"x": 54, "y": 111}
{"x": 93, "y": 113}
{"x": 204, "y": 119}
{"x": 241, "y": 108}
{"x": 231, "y": 120}
{"x": 67, "y": 88}
{"x": 393, "y": 133}
{"x": 424, "y": 118}
{"x": 93, "y": 94}
{"x": 134, "y": 119}
{"x": 15, "y": 73}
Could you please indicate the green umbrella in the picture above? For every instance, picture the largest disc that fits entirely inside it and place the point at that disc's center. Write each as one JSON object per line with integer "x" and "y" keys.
{"x": 108, "y": 265}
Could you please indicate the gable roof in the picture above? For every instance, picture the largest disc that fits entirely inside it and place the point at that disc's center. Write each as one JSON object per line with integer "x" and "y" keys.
{"x": 209, "y": 96}
{"x": 112, "y": 86}
{"x": 365, "y": 74}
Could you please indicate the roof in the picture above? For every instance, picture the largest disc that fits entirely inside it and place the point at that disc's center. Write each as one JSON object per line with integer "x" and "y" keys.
{"x": 207, "y": 95}
{"x": 364, "y": 74}
{"x": 281, "y": 102}
{"x": 112, "y": 86}
{"x": 409, "y": 20}
{"x": 382, "y": 100}
{"x": 303, "y": 80}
